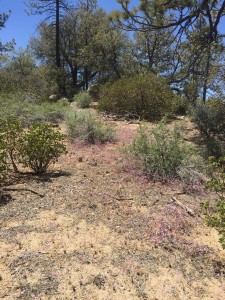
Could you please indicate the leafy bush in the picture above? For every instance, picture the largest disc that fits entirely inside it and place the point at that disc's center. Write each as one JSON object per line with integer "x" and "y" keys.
{"x": 210, "y": 118}
{"x": 214, "y": 147}
{"x": 41, "y": 146}
{"x": 161, "y": 154}
{"x": 83, "y": 125}
{"x": 19, "y": 73}
{"x": 210, "y": 121}
{"x": 215, "y": 211}
{"x": 50, "y": 112}
{"x": 144, "y": 95}
{"x": 83, "y": 100}
{"x": 193, "y": 169}
{"x": 11, "y": 130}
{"x": 36, "y": 147}
{"x": 3, "y": 157}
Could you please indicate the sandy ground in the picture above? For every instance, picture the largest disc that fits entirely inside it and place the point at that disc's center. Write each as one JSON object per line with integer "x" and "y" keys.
{"x": 96, "y": 228}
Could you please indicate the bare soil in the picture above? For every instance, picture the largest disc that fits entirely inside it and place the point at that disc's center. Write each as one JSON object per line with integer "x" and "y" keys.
{"x": 96, "y": 228}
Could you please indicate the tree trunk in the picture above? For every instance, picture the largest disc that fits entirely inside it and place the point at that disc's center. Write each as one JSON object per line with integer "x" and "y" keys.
{"x": 57, "y": 41}
{"x": 86, "y": 78}
{"x": 206, "y": 75}
{"x": 74, "y": 76}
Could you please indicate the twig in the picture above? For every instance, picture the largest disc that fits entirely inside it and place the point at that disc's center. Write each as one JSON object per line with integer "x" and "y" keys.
{"x": 26, "y": 190}
{"x": 189, "y": 210}
{"x": 123, "y": 199}
{"x": 156, "y": 201}
{"x": 118, "y": 198}
{"x": 172, "y": 193}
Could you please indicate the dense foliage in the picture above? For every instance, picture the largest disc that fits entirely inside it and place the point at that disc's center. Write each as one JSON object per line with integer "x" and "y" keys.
{"x": 83, "y": 100}
{"x": 35, "y": 148}
{"x": 188, "y": 31}
{"x": 210, "y": 121}
{"x": 76, "y": 46}
{"x": 41, "y": 146}
{"x": 12, "y": 132}
{"x": 144, "y": 95}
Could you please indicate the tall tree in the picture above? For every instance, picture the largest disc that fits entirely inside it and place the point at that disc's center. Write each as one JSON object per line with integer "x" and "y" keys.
{"x": 180, "y": 15}
{"x": 194, "y": 29}
{"x": 154, "y": 52}
{"x": 91, "y": 49}
{"x": 52, "y": 9}
{"x": 88, "y": 8}
{"x": 204, "y": 69}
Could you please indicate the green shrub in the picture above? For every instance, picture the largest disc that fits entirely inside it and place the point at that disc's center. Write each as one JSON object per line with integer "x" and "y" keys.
{"x": 214, "y": 147}
{"x": 36, "y": 147}
{"x": 193, "y": 169}
{"x": 3, "y": 156}
{"x": 210, "y": 118}
{"x": 41, "y": 146}
{"x": 51, "y": 112}
{"x": 147, "y": 96}
{"x": 83, "y": 100}
{"x": 210, "y": 121}
{"x": 162, "y": 154}
{"x": 214, "y": 211}
{"x": 11, "y": 130}
{"x": 83, "y": 125}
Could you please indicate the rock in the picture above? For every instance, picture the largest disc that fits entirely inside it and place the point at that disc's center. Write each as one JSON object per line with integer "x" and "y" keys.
{"x": 99, "y": 281}
{"x": 54, "y": 97}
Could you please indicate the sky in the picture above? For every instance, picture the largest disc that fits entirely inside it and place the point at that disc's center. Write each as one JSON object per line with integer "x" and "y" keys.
{"x": 21, "y": 27}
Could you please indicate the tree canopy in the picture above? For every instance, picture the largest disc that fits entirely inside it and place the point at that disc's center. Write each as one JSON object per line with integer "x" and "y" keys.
{"x": 181, "y": 15}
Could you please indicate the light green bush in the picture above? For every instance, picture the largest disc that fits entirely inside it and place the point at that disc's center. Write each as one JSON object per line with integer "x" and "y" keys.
{"x": 19, "y": 106}
{"x": 83, "y": 100}
{"x": 161, "y": 154}
{"x": 84, "y": 126}
{"x": 147, "y": 96}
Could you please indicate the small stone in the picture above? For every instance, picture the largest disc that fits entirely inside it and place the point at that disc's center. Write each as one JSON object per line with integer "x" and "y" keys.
{"x": 99, "y": 281}
{"x": 93, "y": 206}
{"x": 74, "y": 289}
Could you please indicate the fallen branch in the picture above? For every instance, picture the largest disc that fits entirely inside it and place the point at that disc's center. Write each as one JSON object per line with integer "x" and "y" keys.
{"x": 172, "y": 193}
{"x": 156, "y": 201}
{"x": 189, "y": 210}
{"x": 18, "y": 190}
{"x": 118, "y": 198}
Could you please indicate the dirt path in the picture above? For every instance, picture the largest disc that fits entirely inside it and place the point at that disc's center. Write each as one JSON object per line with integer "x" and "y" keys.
{"x": 102, "y": 231}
